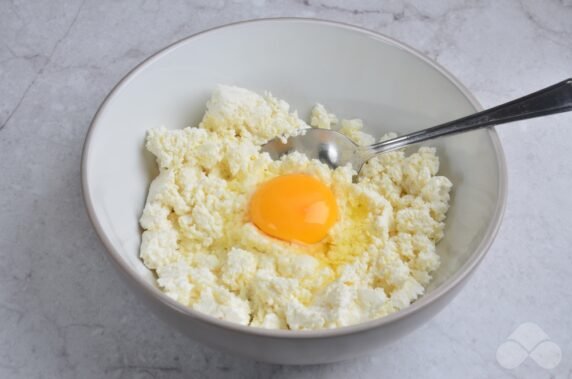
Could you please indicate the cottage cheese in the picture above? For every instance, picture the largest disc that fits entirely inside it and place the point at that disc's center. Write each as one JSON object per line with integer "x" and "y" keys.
{"x": 207, "y": 255}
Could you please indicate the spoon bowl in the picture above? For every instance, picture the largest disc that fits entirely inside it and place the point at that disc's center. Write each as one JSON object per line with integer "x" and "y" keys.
{"x": 328, "y": 146}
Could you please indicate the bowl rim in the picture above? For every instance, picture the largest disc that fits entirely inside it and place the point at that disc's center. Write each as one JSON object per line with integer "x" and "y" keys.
{"x": 149, "y": 290}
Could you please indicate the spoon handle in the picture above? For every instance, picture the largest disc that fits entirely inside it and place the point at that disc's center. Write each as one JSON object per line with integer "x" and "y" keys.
{"x": 554, "y": 99}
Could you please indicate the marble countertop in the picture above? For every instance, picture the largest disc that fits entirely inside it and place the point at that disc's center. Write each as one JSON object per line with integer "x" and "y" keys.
{"x": 64, "y": 311}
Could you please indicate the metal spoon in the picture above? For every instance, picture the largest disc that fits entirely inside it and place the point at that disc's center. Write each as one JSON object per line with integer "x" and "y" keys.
{"x": 335, "y": 149}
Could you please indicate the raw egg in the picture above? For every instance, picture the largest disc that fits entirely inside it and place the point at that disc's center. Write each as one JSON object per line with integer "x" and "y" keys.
{"x": 296, "y": 207}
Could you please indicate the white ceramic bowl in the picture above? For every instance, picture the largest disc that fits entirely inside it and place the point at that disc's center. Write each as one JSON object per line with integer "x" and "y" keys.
{"x": 354, "y": 72}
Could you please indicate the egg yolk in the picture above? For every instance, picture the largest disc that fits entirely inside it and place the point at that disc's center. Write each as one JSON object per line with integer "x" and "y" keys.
{"x": 296, "y": 207}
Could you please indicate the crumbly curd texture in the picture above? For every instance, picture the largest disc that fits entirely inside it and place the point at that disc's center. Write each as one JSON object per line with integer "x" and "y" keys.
{"x": 207, "y": 255}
